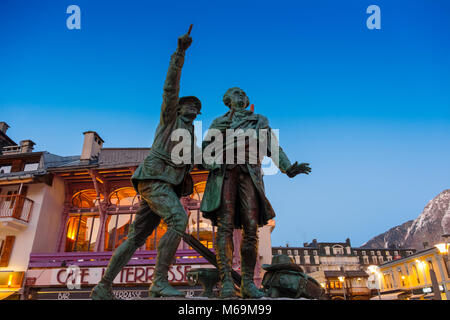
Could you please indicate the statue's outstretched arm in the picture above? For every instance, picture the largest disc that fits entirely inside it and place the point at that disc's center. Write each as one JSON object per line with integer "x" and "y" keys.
{"x": 171, "y": 87}
{"x": 282, "y": 161}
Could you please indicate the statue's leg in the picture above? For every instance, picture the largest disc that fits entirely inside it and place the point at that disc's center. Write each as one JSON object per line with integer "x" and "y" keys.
{"x": 143, "y": 225}
{"x": 249, "y": 210}
{"x": 224, "y": 241}
{"x": 163, "y": 201}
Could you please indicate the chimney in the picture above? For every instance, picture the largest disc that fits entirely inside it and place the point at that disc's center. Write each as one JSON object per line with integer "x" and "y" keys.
{"x": 3, "y": 127}
{"x": 26, "y": 146}
{"x": 91, "y": 146}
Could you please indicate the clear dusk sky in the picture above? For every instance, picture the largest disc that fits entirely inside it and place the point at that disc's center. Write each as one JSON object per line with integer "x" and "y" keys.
{"x": 368, "y": 109}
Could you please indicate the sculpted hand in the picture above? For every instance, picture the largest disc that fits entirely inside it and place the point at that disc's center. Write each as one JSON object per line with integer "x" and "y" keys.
{"x": 296, "y": 169}
{"x": 184, "y": 42}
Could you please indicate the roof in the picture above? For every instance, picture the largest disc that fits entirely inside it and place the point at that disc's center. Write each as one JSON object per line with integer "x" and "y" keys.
{"x": 115, "y": 157}
{"x": 108, "y": 158}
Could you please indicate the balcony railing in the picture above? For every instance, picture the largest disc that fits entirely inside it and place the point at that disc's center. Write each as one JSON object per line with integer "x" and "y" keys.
{"x": 101, "y": 259}
{"x": 15, "y": 206}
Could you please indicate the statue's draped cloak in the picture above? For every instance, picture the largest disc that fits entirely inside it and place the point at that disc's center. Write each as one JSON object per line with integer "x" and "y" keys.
{"x": 243, "y": 119}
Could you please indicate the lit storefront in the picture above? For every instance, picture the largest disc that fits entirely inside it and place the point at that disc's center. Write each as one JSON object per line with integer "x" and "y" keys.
{"x": 99, "y": 206}
{"x": 424, "y": 275}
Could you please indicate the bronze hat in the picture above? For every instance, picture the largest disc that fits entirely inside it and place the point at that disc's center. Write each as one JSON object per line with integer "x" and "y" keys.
{"x": 193, "y": 99}
{"x": 282, "y": 262}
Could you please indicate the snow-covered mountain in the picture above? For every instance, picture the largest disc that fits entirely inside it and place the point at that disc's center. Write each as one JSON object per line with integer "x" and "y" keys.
{"x": 430, "y": 225}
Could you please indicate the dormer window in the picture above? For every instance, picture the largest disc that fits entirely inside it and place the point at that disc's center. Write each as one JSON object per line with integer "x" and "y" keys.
{"x": 31, "y": 167}
{"x": 5, "y": 169}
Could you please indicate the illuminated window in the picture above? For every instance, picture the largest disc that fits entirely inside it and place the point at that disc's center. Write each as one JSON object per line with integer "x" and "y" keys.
{"x": 82, "y": 232}
{"x": 116, "y": 230}
{"x": 85, "y": 199}
{"x": 416, "y": 274}
{"x": 124, "y": 197}
{"x": 198, "y": 226}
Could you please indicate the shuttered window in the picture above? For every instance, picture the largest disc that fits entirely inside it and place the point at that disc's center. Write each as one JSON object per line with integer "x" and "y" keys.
{"x": 6, "y": 250}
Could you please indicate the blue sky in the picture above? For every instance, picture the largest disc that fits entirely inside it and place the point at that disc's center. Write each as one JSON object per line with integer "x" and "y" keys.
{"x": 369, "y": 109}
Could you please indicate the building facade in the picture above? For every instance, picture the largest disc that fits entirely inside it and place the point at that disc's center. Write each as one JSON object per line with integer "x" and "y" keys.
{"x": 82, "y": 207}
{"x": 27, "y": 193}
{"x": 341, "y": 269}
{"x": 424, "y": 275}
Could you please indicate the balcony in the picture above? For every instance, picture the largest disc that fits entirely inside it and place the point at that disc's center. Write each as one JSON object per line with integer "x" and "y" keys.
{"x": 101, "y": 259}
{"x": 15, "y": 211}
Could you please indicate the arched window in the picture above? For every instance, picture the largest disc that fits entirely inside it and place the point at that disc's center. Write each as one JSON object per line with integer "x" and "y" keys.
{"x": 118, "y": 222}
{"x": 83, "y": 226}
{"x": 124, "y": 197}
{"x": 85, "y": 199}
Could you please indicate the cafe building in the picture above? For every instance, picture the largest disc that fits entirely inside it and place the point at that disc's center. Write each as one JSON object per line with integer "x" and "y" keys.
{"x": 97, "y": 206}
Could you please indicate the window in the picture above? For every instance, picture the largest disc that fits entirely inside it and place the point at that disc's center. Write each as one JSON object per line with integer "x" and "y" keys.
{"x": 395, "y": 253}
{"x": 374, "y": 259}
{"x": 85, "y": 199}
{"x": 380, "y": 259}
{"x": 378, "y": 253}
{"x": 5, "y": 169}
{"x": 198, "y": 226}
{"x": 363, "y": 253}
{"x": 416, "y": 274}
{"x": 289, "y": 252}
{"x": 389, "y": 258}
{"x": 307, "y": 260}
{"x": 296, "y": 252}
{"x": 387, "y": 281}
{"x": 116, "y": 230}
{"x": 82, "y": 231}
{"x": 366, "y": 259}
{"x": 372, "y": 253}
{"x": 305, "y": 252}
{"x": 31, "y": 167}
{"x": 338, "y": 250}
{"x": 280, "y": 252}
{"x": 315, "y": 252}
{"x": 387, "y": 253}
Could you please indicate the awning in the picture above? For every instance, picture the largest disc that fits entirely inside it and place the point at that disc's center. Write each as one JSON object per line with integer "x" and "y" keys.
{"x": 390, "y": 296}
{"x": 5, "y": 293}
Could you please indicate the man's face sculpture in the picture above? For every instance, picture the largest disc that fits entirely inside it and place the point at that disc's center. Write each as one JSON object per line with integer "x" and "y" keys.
{"x": 236, "y": 99}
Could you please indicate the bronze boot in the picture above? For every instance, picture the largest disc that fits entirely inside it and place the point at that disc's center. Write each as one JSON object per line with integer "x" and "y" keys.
{"x": 167, "y": 248}
{"x": 248, "y": 261}
{"x": 224, "y": 262}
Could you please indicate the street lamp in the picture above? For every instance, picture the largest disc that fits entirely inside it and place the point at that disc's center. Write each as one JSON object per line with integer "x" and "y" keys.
{"x": 374, "y": 271}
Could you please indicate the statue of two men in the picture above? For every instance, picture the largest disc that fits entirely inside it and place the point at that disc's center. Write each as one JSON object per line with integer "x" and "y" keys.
{"x": 234, "y": 196}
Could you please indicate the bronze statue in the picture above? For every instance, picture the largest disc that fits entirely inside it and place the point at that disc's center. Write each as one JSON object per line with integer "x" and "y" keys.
{"x": 284, "y": 278}
{"x": 160, "y": 183}
{"x": 234, "y": 196}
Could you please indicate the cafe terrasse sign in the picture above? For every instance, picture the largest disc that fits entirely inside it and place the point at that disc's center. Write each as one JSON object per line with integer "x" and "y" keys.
{"x": 76, "y": 277}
